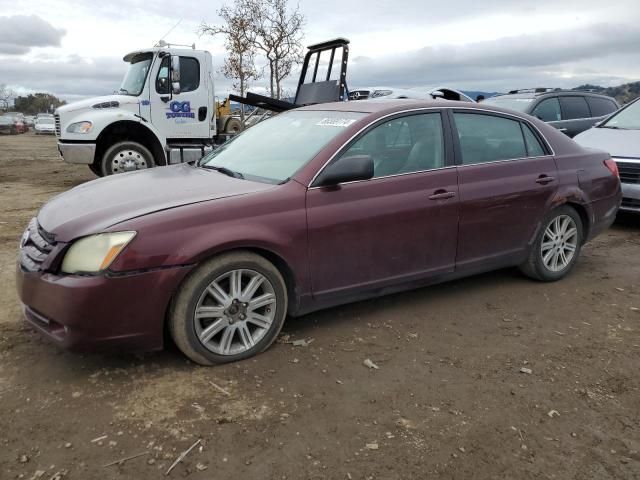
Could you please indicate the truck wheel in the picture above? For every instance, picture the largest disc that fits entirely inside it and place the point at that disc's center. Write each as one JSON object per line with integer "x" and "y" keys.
{"x": 126, "y": 157}
{"x": 233, "y": 126}
{"x": 229, "y": 308}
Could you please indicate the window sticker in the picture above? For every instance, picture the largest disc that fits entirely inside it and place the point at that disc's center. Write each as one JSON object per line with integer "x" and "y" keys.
{"x": 335, "y": 122}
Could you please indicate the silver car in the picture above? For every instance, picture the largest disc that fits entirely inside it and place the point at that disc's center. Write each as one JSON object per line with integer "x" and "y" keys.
{"x": 619, "y": 134}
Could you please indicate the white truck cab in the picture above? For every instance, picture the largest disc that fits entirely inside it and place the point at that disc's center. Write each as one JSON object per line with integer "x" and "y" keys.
{"x": 163, "y": 113}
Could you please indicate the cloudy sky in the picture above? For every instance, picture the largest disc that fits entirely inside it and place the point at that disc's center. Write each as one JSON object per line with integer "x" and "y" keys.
{"x": 74, "y": 48}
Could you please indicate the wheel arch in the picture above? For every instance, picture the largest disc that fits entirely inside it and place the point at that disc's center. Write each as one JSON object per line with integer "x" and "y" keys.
{"x": 129, "y": 130}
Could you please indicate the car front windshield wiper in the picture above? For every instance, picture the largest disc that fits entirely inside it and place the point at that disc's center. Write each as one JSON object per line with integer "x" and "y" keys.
{"x": 613, "y": 127}
{"x": 123, "y": 90}
{"x": 223, "y": 170}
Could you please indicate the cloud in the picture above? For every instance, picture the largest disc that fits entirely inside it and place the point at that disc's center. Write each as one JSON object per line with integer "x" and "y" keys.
{"x": 19, "y": 33}
{"x": 505, "y": 61}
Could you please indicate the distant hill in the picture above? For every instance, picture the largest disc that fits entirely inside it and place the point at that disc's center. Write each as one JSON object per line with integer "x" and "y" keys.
{"x": 623, "y": 93}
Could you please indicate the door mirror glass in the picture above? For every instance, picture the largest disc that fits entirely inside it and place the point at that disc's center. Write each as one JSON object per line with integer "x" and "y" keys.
{"x": 175, "y": 74}
{"x": 175, "y": 68}
{"x": 347, "y": 169}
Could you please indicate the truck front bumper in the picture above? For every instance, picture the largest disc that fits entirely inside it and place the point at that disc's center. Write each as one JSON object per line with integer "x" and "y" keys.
{"x": 77, "y": 152}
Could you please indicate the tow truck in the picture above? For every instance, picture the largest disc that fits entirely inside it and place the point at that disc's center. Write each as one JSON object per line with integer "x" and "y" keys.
{"x": 165, "y": 111}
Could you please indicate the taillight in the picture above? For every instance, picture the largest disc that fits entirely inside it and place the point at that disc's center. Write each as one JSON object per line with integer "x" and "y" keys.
{"x": 612, "y": 166}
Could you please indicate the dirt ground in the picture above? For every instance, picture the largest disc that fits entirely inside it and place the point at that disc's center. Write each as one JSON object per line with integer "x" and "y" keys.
{"x": 449, "y": 399}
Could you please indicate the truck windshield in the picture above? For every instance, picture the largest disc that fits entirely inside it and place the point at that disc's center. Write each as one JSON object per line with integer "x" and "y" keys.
{"x": 273, "y": 150}
{"x": 136, "y": 75}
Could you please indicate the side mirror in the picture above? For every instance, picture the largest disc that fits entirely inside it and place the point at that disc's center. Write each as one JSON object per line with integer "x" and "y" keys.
{"x": 347, "y": 169}
{"x": 175, "y": 74}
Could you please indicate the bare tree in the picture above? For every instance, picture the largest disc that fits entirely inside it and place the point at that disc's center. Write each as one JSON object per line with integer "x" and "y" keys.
{"x": 239, "y": 65}
{"x": 278, "y": 36}
{"x": 5, "y": 95}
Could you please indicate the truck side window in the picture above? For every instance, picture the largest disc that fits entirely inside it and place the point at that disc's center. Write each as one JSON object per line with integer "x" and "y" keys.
{"x": 189, "y": 75}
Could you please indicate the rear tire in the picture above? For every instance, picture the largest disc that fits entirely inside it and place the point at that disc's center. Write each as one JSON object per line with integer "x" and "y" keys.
{"x": 126, "y": 157}
{"x": 233, "y": 126}
{"x": 557, "y": 246}
{"x": 220, "y": 316}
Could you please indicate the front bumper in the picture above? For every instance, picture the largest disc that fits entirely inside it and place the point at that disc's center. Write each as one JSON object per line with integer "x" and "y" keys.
{"x": 630, "y": 197}
{"x": 83, "y": 153}
{"x": 124, "y": 312}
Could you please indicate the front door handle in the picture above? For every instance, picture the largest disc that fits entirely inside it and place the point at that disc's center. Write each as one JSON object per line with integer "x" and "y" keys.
{"x": 442, "y": 195}
{"x": 563, "y": 129}
{"x": 544, "y": 179}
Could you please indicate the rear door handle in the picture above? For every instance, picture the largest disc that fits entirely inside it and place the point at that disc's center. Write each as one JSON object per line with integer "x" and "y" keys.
{"x": 442, "y": 195}
{"x": 544, "y": 179}
{"x": 563, "y": 129}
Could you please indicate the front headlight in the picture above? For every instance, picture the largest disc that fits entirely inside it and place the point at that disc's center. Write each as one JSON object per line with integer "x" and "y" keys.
{"x": 80, "y": 127}
{"x": 95, "y": 253}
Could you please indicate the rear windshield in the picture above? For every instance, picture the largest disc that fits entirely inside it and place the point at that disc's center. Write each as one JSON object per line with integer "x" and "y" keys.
{"x": 517, "y": 104}
{"x": 273, "y": 150}
{"x": 627, "y": 118}
{"x": 42, "y": 121}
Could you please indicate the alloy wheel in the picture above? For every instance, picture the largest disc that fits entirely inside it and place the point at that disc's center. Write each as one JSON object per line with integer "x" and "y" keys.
{"x": 559, "y": 243}
{"x": 234, "y": 312}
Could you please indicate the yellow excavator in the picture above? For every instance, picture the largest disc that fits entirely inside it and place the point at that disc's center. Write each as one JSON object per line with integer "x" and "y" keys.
{"x": 228, "y": 123}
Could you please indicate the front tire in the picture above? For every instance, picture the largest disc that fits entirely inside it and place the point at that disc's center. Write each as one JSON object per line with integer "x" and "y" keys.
{"x": 126, "y": 157}
{"x": 230, "y": 308}
{"x": 557, "y": 246}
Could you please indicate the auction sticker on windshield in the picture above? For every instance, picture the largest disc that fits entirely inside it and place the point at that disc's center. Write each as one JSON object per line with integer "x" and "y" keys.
{"x": 335, "y": 122}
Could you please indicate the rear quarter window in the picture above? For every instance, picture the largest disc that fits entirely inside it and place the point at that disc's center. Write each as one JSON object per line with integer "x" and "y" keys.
{"x": 601, "y": 106}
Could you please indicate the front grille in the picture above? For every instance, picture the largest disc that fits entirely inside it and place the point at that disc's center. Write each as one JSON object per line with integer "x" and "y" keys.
{"x": 57, "y": 119}
{"x": 35, "y": 246}
{"x": 629, "y": 171}
{"x": 359, "y": 95}
{"x": 631, "y": 203}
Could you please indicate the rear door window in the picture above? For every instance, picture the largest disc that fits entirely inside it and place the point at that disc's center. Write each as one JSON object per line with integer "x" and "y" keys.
{"x": 574, "y": 107}
{"x": 488, "y": 138}
{"x": 548, "y": 110}
{"x": 601, "y": 106}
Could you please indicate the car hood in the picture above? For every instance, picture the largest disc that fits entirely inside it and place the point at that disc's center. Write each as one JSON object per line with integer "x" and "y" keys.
{"x": 94, "y": 206}
{"x": 90, "y": 102}
{"x": 619, "y": 143}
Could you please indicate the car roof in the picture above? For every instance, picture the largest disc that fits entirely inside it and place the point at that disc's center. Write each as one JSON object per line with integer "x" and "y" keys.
{"x": 384, "y": 106}
{"x": 549, "y": 92}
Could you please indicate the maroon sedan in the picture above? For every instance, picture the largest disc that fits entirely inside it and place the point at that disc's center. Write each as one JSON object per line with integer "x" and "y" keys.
{"x": 316, "y": 207}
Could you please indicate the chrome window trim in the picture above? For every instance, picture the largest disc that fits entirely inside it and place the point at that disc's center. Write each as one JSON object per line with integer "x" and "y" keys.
{"x": 439, "y": 108}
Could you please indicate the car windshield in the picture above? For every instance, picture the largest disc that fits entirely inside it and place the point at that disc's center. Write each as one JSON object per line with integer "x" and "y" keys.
{"x": 136, "y": 75}
{"x": 626, "y": 119}
{"x": 518, "y": 104}
{"x": 43, "y": 121}
{"x": 6, "y": 120}
{"x": 273, "y": 150}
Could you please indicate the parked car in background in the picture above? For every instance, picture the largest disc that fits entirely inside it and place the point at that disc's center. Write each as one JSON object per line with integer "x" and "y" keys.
{"x": 18, "y": 121}
{"x": 315, "y": 207}
{"x": 570, "y": 111}
{"x": 428, "y": 93}
{"x": 29, "y": 120}
{"x": 45, "y": 125}
{"x": 7, "y": 125}
{"x": 620, "y": 136}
